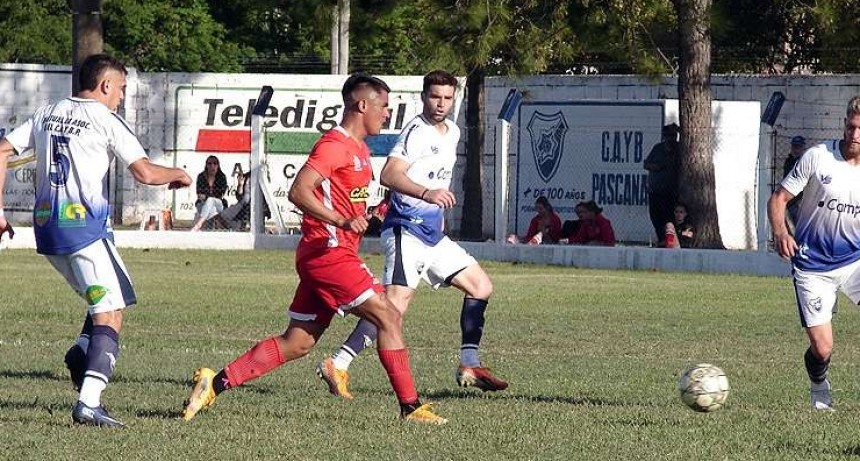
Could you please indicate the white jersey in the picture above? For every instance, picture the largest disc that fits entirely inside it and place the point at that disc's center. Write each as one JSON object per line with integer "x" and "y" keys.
{"x": 431, "y": 156}
{"x": 75, "y": 141}
{"x": 828, "y": 224}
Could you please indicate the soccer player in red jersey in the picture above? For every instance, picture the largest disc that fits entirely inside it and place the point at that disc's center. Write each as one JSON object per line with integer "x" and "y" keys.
{"x": 331, "y": 189}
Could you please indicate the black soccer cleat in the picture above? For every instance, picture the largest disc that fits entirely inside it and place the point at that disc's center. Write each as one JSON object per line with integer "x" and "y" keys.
{"x": 97, "y": 416}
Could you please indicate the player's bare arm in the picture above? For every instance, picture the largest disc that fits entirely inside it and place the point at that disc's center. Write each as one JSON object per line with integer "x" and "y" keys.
{"x": 6, "y": 151}
{"x": 783, "y": 241}
{"x": 146, "y": 172}
{"x": 302, "y": 195}
{"x": 394, "y": 176}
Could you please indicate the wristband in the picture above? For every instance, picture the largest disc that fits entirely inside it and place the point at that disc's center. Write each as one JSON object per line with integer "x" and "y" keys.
{"x": 1, "y": 213}
{"x": 424, "y": 193}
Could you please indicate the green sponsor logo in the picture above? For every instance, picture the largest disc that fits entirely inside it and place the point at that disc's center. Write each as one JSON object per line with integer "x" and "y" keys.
{"x": 95, "y": 293}
{"x": 72, "y": 215}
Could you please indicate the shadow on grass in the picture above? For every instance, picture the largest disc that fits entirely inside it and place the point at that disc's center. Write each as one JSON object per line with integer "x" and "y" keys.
{"x": 159, "y": 414}
{"x": 448, "y": 394}
{"x": 33, "y": 374}
{"x": 118, "y": 378}
{"x": 852, "y": 451}
{"x": 47, "y": 406}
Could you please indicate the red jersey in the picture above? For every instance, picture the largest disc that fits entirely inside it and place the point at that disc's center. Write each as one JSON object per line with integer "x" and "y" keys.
{"x": 344, "y": 163}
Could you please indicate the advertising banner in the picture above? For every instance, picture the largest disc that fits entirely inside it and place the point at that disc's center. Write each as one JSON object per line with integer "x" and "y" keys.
{"x": 571, "y": 152}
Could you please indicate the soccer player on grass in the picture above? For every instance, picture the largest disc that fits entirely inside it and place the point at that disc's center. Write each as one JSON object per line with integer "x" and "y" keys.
{"x": 331, "y": 189}
{"x": 75, "y": 141}
{"x": 825, "y": 250}
{"x": 418, "y": 171}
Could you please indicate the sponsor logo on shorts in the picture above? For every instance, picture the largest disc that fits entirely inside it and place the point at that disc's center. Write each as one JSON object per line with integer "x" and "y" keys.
{"x": 814, "y": 305}
{"x": 72, "y": 215}
{"x": 359, "y": 194}
{"x": 95, "y": 293}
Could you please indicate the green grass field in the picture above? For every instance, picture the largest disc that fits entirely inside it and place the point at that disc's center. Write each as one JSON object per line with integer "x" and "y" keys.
{"x": 592, "y": 358}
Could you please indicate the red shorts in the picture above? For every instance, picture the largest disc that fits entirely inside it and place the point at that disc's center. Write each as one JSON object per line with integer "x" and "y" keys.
{"x": 331, "y": 281}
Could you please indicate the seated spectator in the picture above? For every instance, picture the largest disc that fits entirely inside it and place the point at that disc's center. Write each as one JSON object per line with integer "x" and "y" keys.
{"x": 211, "y": 187}
{"x": 236, "y": 216}
{"x": 545, "y": 226}
{"x": 568, "y": 230}
{"x": 680, "y": 233}
{"x": 594, "y": 228}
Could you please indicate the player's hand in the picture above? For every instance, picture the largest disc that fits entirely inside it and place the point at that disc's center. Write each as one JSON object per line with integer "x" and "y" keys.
{"x": 357, "y": 224}
{"x": 785, "y": 245}
{"x": 441, "y": 197}
{"x": 185, "y": 181}
{"x": 6, "y": 227}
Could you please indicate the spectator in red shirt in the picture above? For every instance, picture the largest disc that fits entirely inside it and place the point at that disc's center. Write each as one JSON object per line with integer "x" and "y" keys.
{"x": 594, "y": 228}
{"x": 545, "y": 226}
{"x": 546, "y": 222}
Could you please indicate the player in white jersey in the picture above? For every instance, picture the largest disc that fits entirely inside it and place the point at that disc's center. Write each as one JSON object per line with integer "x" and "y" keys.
{"x": 75, "y": 141}
{"x": 418, "y": 172}
{"x": 825, "y": 250}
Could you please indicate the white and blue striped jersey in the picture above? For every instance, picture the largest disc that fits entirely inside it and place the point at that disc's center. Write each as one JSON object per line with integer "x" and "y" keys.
{"x": 828, "y": 224}
{"x": 75, "y": 141}
{"x": 431, "y": 156}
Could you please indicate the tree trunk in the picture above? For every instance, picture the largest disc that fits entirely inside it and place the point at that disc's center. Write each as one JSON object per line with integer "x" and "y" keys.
{"x": 87, "y": 35}
{"x": 696, "y": 181}
{"x": 471, "y": 226}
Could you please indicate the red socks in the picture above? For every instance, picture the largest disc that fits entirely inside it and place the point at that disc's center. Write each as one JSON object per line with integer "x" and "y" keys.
{"x": 264, "y": 357}
{"x": 396, "y": 364}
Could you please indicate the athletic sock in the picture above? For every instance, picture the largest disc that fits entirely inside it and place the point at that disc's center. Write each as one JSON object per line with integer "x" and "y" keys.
{"x": 472, "y": 327}
{"x": 83, "y": 339}
{"x": 815, "y": 367}
{"x": 101, "y": 361}
{"x": 221, "y": 382}
{"x": 361, "y": 337}
{"x": 396, "y": 364}
{"x": 264, "y": 357}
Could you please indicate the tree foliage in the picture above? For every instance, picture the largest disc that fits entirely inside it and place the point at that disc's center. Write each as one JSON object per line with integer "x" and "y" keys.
{"x": 169, "y": 35}
{"x": 630, "y": 36}
{"x": 36, "y": 31}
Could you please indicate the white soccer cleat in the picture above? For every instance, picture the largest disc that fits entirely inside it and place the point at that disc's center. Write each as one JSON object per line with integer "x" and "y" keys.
{"x": 820, "y": 396}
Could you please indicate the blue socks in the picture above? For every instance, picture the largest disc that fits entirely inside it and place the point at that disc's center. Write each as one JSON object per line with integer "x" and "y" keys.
{"x": 472, "y": 328}
{"x": 362, "y": 337}
{"x": 101, "y": 360}
{"x": 815, "y": 367}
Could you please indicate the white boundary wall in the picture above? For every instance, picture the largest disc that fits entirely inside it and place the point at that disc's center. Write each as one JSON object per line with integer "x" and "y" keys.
{"x": 814, "y": 108}
{"x": 634, "y": 258}
{"x": 814, "y": 105}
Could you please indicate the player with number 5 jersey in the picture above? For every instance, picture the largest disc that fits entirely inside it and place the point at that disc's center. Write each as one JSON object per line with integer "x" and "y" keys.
{"x": 75, "y": 140}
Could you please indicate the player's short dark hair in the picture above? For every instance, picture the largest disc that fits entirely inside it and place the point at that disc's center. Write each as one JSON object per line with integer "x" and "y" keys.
{"x": 438, "y": 77}
{"x": 94, "y": 67}
{"x": 358, "y": 81}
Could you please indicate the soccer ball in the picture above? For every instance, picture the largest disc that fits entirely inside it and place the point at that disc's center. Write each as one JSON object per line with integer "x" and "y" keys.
{"x": 704, "y": 387}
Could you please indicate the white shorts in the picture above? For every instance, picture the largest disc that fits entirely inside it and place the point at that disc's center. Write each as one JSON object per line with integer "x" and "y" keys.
{"x": 97, "y": 273}
{"x": 408, "y": 260}
{"x": 816, "y": 292}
